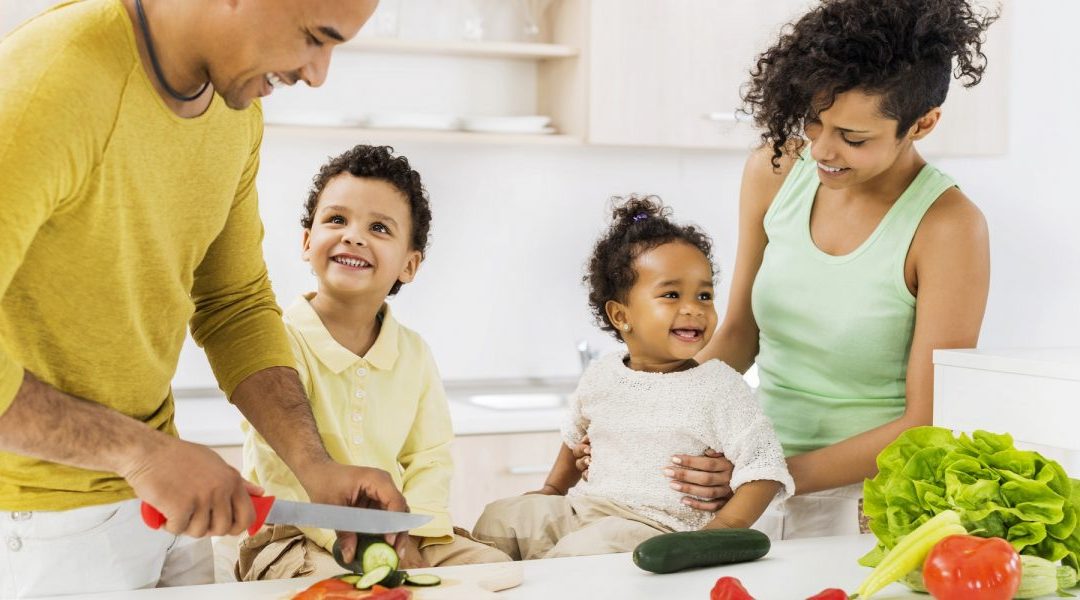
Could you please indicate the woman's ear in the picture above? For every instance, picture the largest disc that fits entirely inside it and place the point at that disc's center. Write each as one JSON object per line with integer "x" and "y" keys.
{"x": 925, "y": 124}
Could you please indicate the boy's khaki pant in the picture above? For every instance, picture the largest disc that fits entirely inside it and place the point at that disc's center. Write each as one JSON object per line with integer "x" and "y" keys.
{"x": 283, "y": 551}
{"x": 538, "y": 526}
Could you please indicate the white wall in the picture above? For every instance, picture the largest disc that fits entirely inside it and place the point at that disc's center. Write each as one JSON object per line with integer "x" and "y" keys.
{"x": 500, "y": 295}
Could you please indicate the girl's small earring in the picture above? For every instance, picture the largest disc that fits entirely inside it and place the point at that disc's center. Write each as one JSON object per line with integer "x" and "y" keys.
{"x": 313, "y": 272}
{"x": 626, "y": 327}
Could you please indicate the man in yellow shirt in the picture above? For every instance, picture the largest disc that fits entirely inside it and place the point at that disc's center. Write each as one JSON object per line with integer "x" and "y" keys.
{"x": 129, "y": 149}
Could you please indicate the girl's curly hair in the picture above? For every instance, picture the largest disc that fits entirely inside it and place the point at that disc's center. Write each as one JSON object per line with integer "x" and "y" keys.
{"x": 377, "y": 162}
{"x": 902, "y": 50}
{"x": 639, "y": 224}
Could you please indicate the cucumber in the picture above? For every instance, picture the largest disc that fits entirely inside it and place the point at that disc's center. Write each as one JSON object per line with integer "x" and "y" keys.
{"x": 359, "y": 563}
{"x": 377, "y": 554}
{"x": 374, "y": 576}
{"x": 671, "y": 552}
{"x": 350, "y": 578}
{"x": 422, "y": 580}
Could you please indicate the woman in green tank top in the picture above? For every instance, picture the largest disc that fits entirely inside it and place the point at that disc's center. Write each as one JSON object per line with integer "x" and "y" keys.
{"x": 855, "y": 259}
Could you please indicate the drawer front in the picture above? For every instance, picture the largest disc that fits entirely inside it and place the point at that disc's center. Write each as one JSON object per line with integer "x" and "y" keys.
{"x": 490, "y": 467}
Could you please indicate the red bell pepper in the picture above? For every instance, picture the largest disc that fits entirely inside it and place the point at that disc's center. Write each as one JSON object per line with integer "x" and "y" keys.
{"x": 329, "y": 589}
{"x": 965, "y": 567}
{"x": 830, "y": 594}
{"x": 729, "y": 588}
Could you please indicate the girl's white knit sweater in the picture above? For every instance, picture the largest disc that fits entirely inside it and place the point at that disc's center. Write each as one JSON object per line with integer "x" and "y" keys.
{"x": 636, "y": 421}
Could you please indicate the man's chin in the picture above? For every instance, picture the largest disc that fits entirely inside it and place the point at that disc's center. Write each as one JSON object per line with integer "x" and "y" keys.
{"x": 237, "y": 101}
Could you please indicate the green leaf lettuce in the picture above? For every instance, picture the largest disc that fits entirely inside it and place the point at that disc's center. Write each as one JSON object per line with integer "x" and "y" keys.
{"x": 998, "y": 490}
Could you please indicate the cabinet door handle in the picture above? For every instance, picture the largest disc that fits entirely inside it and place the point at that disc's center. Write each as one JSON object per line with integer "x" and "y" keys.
{"x": 528, "y": 469}
{"x": 736, "y": 116}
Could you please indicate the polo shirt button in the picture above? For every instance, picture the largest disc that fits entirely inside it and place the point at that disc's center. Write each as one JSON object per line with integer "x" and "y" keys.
{"x": 359, "y": 393}
{"x": 357, "y": 417}
{"x": 358, "y": 439}
{"x": 361, "y": 371}
{"x": 14, "y": 544}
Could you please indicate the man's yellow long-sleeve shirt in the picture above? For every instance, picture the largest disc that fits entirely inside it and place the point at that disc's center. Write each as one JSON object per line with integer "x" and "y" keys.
{"x": 386, "y": 409}
{"x": 120, "y": 223}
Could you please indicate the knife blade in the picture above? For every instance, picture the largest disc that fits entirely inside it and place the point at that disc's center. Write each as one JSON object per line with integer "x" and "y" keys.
{"x": 343, "y": 518}
{"x": 269, "y": 509}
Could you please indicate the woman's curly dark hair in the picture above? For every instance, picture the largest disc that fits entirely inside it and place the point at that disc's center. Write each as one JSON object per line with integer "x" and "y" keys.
{"x": 377, "y": 162}
{"x": 902, "y": 50}
{"x": 639, "y": 224}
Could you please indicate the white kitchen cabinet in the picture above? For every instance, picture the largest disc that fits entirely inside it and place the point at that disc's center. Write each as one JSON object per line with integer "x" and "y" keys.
{"x": 1032, "y": 394}
{"x": 490, "y": 467}
{"x": 669, "y": 74}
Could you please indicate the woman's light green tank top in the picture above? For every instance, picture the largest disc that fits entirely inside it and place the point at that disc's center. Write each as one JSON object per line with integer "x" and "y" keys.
{"x": 835, "y": 330}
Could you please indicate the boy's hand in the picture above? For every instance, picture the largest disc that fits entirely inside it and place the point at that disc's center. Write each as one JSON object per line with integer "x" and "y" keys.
{"x": 363, "y": 487}
{"x": 410, "y": 553}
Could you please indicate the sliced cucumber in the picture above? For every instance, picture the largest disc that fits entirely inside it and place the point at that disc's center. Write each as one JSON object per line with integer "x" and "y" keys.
{"x": 350, "y": 578}
{"x": 395, "y": 579}
{"x": 373, "y": 577}
{"x": 422, "y": 580}
{"x": 379, "y": 554}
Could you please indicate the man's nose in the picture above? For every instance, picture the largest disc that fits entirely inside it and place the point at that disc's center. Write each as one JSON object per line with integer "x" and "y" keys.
{"x": 314, "y": 73}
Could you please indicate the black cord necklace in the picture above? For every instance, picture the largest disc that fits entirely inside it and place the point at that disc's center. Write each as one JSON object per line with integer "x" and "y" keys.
{"x": 154, "y": 60}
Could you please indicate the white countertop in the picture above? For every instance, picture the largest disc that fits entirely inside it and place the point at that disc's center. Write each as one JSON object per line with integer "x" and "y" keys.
{"x": 1058, "y": 363}
{"x": 794, "y": 569}
{"x": 211, "y": 420}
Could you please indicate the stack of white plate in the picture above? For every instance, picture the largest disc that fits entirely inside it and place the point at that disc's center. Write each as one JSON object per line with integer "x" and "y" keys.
{"x": 521, "y": 124}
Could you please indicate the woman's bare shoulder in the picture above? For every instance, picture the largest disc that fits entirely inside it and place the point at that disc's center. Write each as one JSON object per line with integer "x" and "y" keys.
{"x": 762, "y": 179}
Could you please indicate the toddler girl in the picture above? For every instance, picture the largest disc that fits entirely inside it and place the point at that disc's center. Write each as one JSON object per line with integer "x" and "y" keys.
{"x": 651, "y": 285}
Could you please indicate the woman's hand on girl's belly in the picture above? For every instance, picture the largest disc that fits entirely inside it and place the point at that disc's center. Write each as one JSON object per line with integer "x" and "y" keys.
{"x": 704, "y": 479}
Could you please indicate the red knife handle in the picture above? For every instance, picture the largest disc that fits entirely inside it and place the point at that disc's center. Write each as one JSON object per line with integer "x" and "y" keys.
{"x": 154, "y": 519}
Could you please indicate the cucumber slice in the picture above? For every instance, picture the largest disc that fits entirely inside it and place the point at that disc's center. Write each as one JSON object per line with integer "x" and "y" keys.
{"x": 422, "y": 580}
{"x": 378, "y": 554}
{"x": 373, "y": 577}
{"x": 350, "y": 578}
{"x": 394, "y": 579}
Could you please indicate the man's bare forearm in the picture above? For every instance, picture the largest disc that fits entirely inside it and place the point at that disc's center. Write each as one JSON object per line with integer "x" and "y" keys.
{"x": 49, "y": 424}
{"x": 274, "y": 402}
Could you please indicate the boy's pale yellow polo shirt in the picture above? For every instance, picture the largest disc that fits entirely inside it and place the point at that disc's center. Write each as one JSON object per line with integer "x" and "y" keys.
{"x": 385, "y": 410}
{"x": 120, "y": 224}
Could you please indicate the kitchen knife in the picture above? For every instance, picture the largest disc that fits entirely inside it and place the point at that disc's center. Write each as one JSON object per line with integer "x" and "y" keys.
{"x": 307, "y": 514}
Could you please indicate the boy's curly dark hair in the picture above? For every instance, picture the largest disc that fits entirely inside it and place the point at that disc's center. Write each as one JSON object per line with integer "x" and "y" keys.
{"x": 377, "y": 162}
{"x": 639, "y": 224}
{"x": 902, "y": 50}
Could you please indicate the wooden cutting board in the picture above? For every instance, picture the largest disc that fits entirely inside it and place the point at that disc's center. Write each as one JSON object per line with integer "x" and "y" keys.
{"x": 471, "y": 582}
{"x": 466, "y": 582}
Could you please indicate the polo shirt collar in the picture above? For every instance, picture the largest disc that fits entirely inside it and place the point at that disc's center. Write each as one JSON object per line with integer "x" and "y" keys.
{"x": 382, "y": 355}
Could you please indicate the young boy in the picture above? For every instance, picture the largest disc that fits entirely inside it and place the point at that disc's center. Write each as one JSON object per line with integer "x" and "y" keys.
{"x": 373, "y": 385}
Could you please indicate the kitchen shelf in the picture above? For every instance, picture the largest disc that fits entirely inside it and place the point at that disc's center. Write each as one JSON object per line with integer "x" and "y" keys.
{"x": 516, "y": 50}
{"x": 419, "y": 135}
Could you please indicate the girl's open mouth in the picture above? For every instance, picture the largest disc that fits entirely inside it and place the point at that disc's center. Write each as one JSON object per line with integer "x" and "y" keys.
{"x": 688, "y": 335}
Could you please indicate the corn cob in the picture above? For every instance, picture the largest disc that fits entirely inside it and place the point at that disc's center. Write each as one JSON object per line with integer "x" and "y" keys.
{"x": 910, "y": 552}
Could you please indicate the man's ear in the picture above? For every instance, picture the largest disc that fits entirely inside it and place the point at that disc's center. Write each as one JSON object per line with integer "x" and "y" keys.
{"x": 925, "y": 124}
{"x": 305, "y": 246}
